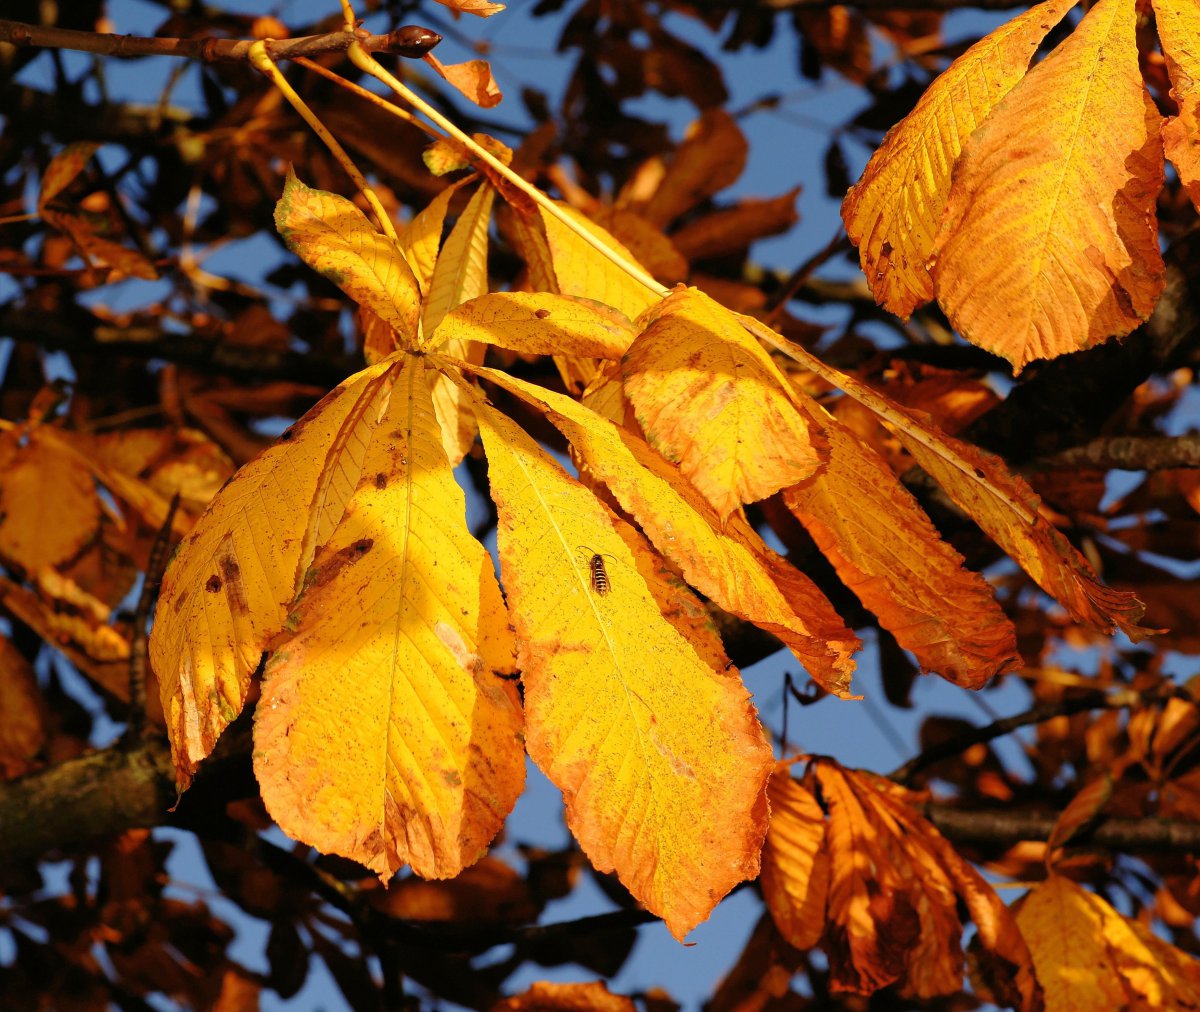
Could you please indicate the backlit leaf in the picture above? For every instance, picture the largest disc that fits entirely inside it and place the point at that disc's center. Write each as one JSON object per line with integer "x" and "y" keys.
{"x": 545, "y": 996}
{"x": 580, "y": 270}
{"x": 1088, "y": 956}
{"x": 1179, "y": 32}
{"x": 795, "y": 866}
{"x": 227, "y": 590}
{"x": 1049, "y": 242}
{"x": 711, "y": 157}
{"x": 893, "y": 212}
{"x": 893, "y": 894}
{"x": 473, "y": 80}
{"x": 661, "y": 760}
{"x": 385, "y": 732}
{"x": 1007, "y": 510}
{"x": 335, "y": 238}
{"x": 480, "y": 8}
{"x": 22, "y": 727}
{"x": 48, "y": 503}
{"x": 63, "y": 169}
{"x": 539, "y": 323}
{"x": 710, "y": 399}
{"x": 731, "y": 566}
{"x": 887, "y": 551}
{"x": 422, "y": 238}
{"x": 731, "y": 229}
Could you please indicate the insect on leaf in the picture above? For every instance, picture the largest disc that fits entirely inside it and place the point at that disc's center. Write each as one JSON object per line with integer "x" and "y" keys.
{"x": 660, "y": 758}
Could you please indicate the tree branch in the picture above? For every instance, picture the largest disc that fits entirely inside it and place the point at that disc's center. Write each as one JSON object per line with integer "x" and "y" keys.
{"x": 897, "y": 5}
{"x": 1130, "y": 453}
{"x": 411, "y": 41}
{"x": 1005, "y": 827}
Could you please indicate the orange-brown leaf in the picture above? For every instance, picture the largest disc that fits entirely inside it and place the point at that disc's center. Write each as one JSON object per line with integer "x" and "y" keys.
{"x": 22, "y": 728}
{"x": 731, "y": 229}
{"x": 795, "y": 865}
{"x": 1179, "y": 31}
{"x": 63, "y": 169}
{"x": 711, "y": 157}
{"x": 1006, "y": 508}
{"x": 887, "y": 551}
{"x": 1049, "y": 242}
{"x": 893, "y": 212}
{"x": 1080, "y": 810}
{"x": 473, "y": 80}
{"x": 894, "y": 885}
{"x": 544, "y": 996}
{"x": 710, "y": 399}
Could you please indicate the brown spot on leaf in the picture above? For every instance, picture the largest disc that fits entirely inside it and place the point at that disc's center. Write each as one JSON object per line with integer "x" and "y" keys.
{"x": 213, "y": 585}
{"x": 381, "y": 480}
{"x": 542, "y": 314}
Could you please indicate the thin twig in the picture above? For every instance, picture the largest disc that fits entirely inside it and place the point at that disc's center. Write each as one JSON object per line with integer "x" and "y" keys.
{"x": 138, "y": 724}
{"x": 411, "y": 41}
{"x": 1004, "y": 827}
{"x": 1036, "y": 715}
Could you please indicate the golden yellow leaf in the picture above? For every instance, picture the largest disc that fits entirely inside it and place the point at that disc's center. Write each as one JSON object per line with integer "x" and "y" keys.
{"x": 710, "y": 399}
{"x": 544, "y": 996}
{"x": 711, "y": 157}
{"x": 226, "y": 592}
{"x": 22, "y": 728}
{"x": 893, "y": 893}
{"x": 386, "y": 732}
{"x": 1179, "y": 32}
{"x": 539, "y": 323}
{"x": 48, "y": 503}
{"x": 459, "y": 275}
{"x": 1006, "y": 508}
{"x": 473, "y": 80}
{"x": 647, "y": 243}
{"x": 795, "y": 867}
{"x": 1049, "y": 242}
{"x": 580, "y": 270}
{"x": 661, "y": 759}
{"x": 449, "y": 155}
{"x": 1088, "y": 956}
{"x": 887, "y": 551}
{"x": 335, "y": 238}
{"x": 422, "y": 239}
{"x": 63, "y": 169}
{"x": 731, "y": 566}
{"x": 892, "y": 213}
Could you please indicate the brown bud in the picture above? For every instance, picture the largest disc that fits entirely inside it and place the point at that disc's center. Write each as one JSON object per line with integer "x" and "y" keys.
{"x": 412, "y": 41}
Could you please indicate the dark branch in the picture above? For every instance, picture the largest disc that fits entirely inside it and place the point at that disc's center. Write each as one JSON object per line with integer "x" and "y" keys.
{"x": 1009, "y": 826}
{"x": 411, "y": 41}
{"x": 897, "y": 5}
{"x": 1130, "y": 453}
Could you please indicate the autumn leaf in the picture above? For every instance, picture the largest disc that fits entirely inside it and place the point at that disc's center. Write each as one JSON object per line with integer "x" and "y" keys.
{"x": 711, "y": 157}
{"x": 887, "y": 551}
{"x": 731, "y": 565}
{"x": 1008, "y": 511}
{"x": 472, "y": 79}
{"x": 48, "y": 503}
{"x": 459, "y": 275}
{"x": 1179, "y": 31}
{"x": 385, "y": 732}
{"x": 795, "y": 865}
{"x": 228, "y": 588}
{"x": 22, "y": 726}
{"x": 893, "y": 212}
{"x": 544, "y": 996}
{"x": 1127, "y": 966}
{"x": 661, "y": 759}
{"x": 893, "y": 893}
{"x": 580, "y": 270}
{"x": 730, "y": 229}
{"x": 63, "y": 169}
{"x": 538, "y": 323}
{"x": 333, "y": 237}
{"x": 1049, "y": 242}
{"x": 1085, "y": 806}
{"x": 711, "y": 400}
{"x": 480, "y": 8}
{"x": 422, "y": 239}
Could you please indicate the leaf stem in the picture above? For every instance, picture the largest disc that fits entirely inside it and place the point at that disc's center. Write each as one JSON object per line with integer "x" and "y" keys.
{"x": 369, "y": 65}
{"x": 261, "y": 60}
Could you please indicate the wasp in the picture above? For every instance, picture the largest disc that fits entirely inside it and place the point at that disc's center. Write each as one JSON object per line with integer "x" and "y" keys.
{"x": 596, "y": 570}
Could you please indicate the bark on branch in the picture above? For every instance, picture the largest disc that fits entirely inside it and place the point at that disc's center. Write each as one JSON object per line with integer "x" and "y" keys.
{"x": 1005, "y": 827}
{"x": 411, "y": 41}
{"x": 897, "y": 5}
